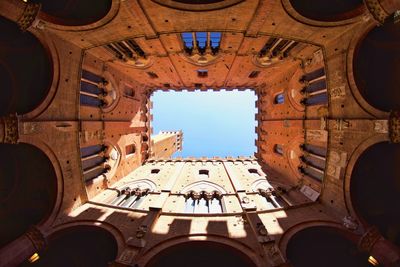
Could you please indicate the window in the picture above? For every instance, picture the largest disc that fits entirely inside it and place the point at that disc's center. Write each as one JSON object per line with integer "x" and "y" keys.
{"x": 129, "y": 92}
{"x": 254, "y": 74}
{"x": 279, "y": 98}
{"x": 273, "y": 200}
{"x": 130, "y": 198}
{"x": 93, "y": 161}
{"x": 254, "y": 172}
{"x": 127, "y": 49}
{"x": 91, "y": 90}
{"x": 203, "y": 174}
{"x": 152, "y": 75}
{"x": 202, "y": 73}
{"x": 200, "y": 41}
{"x": 278, "y": 149}
{"x": 130, "y": 150}
{"x": 155, "y": 171}
{"x": 203, "y": 202}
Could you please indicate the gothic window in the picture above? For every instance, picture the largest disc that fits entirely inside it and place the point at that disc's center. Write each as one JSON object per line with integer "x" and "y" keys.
{"x": 313, "y": 161}
{"x": 91, "y": 93}
{"x": 279, "y": 98}
{"x": 126, "y": 50}
{"x": 200, "y": 42}
{"x": 275, "y": 49}
{"x": 130, "y": 197}
{"x": 272, "y": 199}
{"x": 203, "y": 202}
{"x": 315, "y": 89}
{"x": 93, "y": 161}
{"x": 278, "y": 149}
{"x": 130, "y": 149}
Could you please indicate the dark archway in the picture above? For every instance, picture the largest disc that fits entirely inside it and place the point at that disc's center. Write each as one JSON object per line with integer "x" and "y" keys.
{"x": 324, "y": 246}
{"x": 88, "y": 246}
{"x": 28, "y": 189}
{"x": 200, "y": 254}
{"x": 376, "y": 66}
{"x": 74, "y": 12}
{"x": 375, "y": 188}
{"x": 332, "y": 10}
{"x": 25, "y": 70}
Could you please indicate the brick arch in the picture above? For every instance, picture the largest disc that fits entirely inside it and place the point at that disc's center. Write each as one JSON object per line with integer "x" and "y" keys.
{"x": 229, "y": 243}
{"x": 31, "y": 195}
{"x": 321, "y": 13}
{"x": 27, "y": 83}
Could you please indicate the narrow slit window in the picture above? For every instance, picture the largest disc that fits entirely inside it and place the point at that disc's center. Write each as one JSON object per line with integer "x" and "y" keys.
{"x": 279, "y": 99}
{"x": 130, "y": 150}
{"x": 254, "y": 74}
{"x": 278, "y": 149}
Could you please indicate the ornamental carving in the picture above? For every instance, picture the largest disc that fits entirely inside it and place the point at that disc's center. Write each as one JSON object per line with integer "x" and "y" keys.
{"x": 394, "y": 127}
{"x": 10, "y": 128}
{"x": 28, "y": 16}
{"x": 37, "y": 238}
{"x": 369, "y": 239}
{"x": 376, "y": 10}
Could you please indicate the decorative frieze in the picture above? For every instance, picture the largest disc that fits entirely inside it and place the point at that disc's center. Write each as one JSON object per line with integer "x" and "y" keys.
{"x": 28, "y": 16}
{"x": 10, "y": 129}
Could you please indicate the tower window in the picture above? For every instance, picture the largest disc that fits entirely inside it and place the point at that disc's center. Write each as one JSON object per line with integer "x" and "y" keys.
{"x": 130, "y": 149}
{"x": 202, "y": 73}
{"x": 254, "y": 74}
{"x": 278, "y": 149}
{"x": 152, "y": 75}
{"x": 279, "y": 98}
{"x": 254, "y": 172}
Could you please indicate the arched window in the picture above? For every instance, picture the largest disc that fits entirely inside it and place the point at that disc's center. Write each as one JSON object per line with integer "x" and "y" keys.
{"x": 279, "y": 98}
{"x": 133, "y": 194}
{"x": 203, "y": 202}
{"x": 278, "y": 149}
{"x": 198, "y": 42}
{"x": 271, "y": 198}
{"x": 93, "y": 160}
{"x": 203, "y": 197}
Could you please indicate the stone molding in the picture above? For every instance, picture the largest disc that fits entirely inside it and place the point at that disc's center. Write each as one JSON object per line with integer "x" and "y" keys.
{"x": 375, "y": 8}
{"x": 28, "y": 16}
{"x": 368, "y": 240}
{"x": 37, "y": 238}
{"x": 10, "y": 133}
{"x": 394, "y": 127}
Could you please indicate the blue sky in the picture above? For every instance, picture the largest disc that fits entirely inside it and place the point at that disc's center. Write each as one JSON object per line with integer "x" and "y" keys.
{"x": 213, "y": 123}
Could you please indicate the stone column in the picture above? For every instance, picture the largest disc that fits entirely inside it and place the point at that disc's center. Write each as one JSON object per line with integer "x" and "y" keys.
{"x": 22, "y": 248}
{"x": 9, "y": 129}
{"x": 386, "y": 253}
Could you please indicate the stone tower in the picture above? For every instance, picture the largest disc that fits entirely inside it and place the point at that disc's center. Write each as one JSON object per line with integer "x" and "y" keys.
{"x": 165, "y": 144}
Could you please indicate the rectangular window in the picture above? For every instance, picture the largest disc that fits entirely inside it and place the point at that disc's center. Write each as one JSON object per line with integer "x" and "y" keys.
{"x": 202, "y": 73}
{"x": 130, "y": 150}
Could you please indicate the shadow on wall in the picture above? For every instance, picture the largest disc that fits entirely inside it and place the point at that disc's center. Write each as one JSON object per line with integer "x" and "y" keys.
{"x": 333, "y": 10}
{"x": 88, "y": 246}
{"x": 324, "y": 246}
{"x": 375, "y": 188}
{"x": 377, "y": 66}
{"x": 25, "y": 70}
{"x": 28, "y": 189}
{"x": 72, "y": 12}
